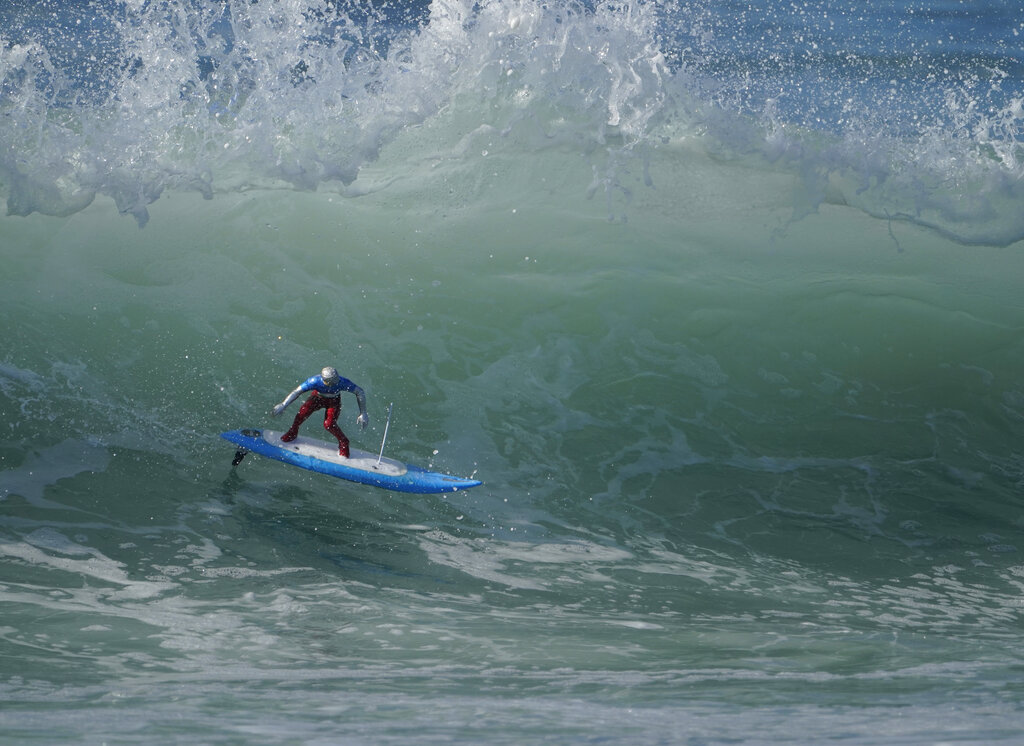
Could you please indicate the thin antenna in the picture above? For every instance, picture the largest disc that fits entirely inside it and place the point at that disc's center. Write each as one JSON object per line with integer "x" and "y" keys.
{"x": 384, "y": 439}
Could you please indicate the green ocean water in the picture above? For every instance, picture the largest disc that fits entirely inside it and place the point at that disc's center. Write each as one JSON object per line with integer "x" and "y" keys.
{"x": 729, "y": 463}
{"x": 742, "y": 384}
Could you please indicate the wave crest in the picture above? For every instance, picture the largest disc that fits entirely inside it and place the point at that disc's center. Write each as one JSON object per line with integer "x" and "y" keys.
{"x": 207, "y": 96}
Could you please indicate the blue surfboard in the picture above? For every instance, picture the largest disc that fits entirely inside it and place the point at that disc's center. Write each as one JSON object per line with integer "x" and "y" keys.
{"x": 360, "y": 466}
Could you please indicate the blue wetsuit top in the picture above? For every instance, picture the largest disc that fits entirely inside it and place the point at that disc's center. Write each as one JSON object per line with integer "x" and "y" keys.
{"x": 333, "y": 391}
{"x": 316, "y": 383}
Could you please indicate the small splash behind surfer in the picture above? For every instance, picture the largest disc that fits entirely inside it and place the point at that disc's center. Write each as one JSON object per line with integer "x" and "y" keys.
{"x": 327, "y": 389}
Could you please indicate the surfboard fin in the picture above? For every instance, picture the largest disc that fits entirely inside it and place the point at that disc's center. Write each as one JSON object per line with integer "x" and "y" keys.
{"x": 239, "y": 455}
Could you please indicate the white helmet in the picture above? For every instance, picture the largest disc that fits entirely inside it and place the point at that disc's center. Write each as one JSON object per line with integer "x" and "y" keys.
{"x": 330, "y": 376}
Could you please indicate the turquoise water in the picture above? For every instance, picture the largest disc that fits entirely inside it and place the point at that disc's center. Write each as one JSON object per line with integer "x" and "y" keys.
{"x": 731, "y": 333}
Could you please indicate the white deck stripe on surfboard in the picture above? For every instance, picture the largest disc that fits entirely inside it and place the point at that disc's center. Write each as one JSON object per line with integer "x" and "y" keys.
{"x": 324, "y": 451}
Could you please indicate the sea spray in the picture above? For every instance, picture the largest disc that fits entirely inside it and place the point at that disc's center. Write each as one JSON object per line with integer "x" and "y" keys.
{"x": 216, "y": 97}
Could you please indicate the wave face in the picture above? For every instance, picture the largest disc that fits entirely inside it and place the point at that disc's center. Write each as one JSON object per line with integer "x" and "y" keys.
{"x": 720, "y": 300}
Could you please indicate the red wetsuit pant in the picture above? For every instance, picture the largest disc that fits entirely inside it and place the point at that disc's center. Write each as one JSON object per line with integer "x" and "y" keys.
{"x": 333, "y": 407}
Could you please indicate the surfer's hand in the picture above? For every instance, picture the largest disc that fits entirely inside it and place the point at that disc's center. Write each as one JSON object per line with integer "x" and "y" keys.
{"x": 363, "y": 420}
{"x": 278, "y": 408}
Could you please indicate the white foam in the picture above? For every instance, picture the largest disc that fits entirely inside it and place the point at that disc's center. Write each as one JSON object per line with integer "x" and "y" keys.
{"x": 50, "y": 549}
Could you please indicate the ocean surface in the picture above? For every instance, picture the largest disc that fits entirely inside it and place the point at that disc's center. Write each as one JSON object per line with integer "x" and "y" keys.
{"x": 721, "y": 300}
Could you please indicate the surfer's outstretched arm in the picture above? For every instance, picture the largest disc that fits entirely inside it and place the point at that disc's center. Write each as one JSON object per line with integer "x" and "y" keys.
{"x": 278, "y": 408}
{"x": 363, "y": 419}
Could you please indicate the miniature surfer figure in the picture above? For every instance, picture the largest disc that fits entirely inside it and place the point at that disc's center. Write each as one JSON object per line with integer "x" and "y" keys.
{"x": 326, "y": 388}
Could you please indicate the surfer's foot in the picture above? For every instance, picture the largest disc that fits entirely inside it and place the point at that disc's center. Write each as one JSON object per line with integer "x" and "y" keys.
{"x": 288, "y": 437}
{"x": 343, "y": 451}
